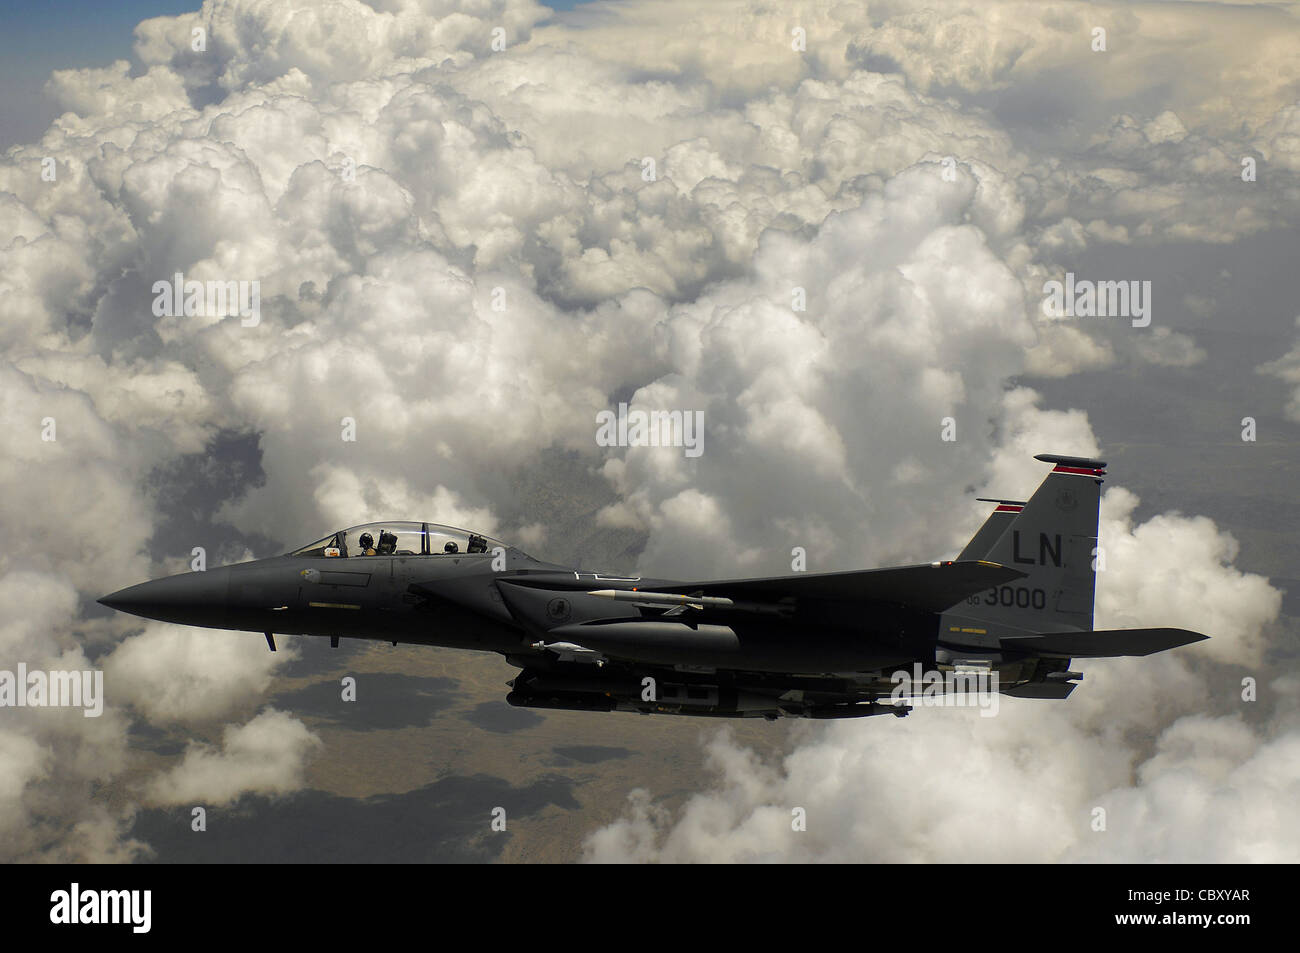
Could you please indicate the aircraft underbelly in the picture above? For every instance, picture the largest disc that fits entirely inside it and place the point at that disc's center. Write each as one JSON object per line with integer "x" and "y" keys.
{"x": 776, "y": 648}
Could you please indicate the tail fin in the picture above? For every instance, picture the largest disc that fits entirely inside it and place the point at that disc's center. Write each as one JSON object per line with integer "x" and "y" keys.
{"x": 1052, "y": 539}
{"x": 987, "y": 535}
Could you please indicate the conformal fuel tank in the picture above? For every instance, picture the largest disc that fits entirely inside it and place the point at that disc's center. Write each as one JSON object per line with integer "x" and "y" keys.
{"x": 655, "y": 641}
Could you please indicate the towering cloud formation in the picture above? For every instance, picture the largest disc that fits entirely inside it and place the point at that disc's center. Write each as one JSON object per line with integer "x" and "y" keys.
{"x": 474, "y": 226}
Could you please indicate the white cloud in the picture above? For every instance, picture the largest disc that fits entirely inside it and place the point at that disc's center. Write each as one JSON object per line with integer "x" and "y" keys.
{"x": 52, "y": 760}
{"x": 1021, "y": 787}
{"x": 22, "y": 761}
{"x": 268, "y": 755}
{"x": 172, "y": 673}
{"x": 1287, "y": 368}
{"x": 1177, "y": 571}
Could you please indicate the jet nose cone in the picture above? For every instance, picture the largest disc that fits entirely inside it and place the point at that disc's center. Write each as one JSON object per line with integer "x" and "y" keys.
{"x": 192, "y": 597}
{"x": 129, "y": 598}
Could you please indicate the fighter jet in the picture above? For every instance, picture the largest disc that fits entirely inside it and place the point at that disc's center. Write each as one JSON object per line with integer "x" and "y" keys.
{"x": 1016, "y": 606}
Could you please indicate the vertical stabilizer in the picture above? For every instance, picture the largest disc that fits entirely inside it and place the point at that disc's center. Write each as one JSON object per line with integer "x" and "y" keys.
{"x": 1053, "y": 540}
{"x": 987, "y": 535}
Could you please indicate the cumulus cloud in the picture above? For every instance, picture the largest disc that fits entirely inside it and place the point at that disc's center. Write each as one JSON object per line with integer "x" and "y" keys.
{"x": 1177, "y": 571}
{"x": 265, "y": 756}
{"x": 24, "y": 761}
{"x": 1023, "y": 787}
{"x": 173, "y": 673}
{"x": 1287, "y": 368}
{"x": 52, "y": 758}
{"x": 1207, "y": 768}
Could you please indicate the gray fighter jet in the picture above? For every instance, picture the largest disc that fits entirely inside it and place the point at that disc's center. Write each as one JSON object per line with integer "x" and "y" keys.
{"x": 1011, "y": 611}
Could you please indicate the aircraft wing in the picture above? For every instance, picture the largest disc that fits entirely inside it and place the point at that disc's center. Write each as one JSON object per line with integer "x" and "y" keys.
{"x": 932, "y": 587}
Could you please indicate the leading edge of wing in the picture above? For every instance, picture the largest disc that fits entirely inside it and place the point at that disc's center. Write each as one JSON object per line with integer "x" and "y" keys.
{"x": 932, "y": 587}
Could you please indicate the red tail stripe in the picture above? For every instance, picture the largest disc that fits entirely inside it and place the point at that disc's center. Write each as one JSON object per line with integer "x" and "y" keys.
{"x": 1085, "y": 471}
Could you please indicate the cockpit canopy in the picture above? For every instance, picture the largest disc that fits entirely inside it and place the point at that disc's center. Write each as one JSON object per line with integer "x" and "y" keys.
{"x": 398, "y": 538}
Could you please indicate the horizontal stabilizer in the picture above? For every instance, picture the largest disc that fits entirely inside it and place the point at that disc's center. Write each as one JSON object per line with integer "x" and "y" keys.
{"x": 1055, "y": 690}
{"x": 931, "y": 587}
{"x": 1103, "y": 643}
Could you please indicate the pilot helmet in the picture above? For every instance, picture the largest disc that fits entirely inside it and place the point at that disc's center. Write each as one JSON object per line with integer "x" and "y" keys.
{"x": 366, "y": 541}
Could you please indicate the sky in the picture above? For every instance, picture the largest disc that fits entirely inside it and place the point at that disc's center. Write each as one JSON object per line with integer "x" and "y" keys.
{"x": 829, "y": 228}
{"x": 37, "y": 38}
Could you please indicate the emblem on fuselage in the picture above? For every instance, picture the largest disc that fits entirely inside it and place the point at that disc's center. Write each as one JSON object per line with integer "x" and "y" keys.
{"x": 557, "y": 610}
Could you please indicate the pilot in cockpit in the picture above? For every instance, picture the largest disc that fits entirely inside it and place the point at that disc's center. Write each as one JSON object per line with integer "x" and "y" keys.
{"x": 367, "y": 545}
